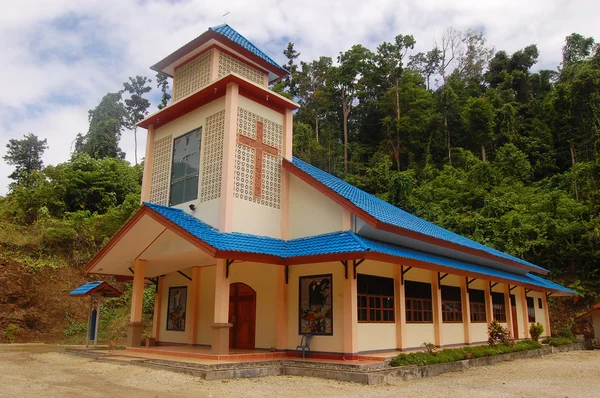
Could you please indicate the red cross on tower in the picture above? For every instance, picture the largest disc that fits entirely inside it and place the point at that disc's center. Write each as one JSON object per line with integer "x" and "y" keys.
{"x": 260, "y": 148}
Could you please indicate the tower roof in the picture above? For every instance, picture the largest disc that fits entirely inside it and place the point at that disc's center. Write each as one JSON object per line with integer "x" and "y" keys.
{"x": 223, "y": 36}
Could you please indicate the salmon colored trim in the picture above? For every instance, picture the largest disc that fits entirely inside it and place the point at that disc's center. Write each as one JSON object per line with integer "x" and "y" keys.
{"x": 348, "y": 205}
{"x": 207, "y": 36}
{"x": 210, "y": 93}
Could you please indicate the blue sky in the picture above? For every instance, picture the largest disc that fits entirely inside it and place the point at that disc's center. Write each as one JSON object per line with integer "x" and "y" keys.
{"x": 60, "y": 57}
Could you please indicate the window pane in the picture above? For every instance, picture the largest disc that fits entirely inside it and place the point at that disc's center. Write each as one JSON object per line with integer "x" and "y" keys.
{"x": 177, "y": 193}
{"x": 191, "y": 189}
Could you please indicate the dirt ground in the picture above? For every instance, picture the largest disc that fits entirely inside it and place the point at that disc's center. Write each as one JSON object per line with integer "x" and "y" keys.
{"x": 41, "y": 370}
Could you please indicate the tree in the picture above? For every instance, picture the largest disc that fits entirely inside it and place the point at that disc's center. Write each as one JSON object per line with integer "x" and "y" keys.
{"x": 290, "y": 82}
{"x": 478, "y": 116}
{"x": 106, "y": 122}
{"x": 25, "y": 154}
{"x": 346, "y": 78}
{"x": 314, "y": 95}
{"x": 162, "y": 82}
{"x": 427, "y": 63}
{"x": 136, "y": 105}
{"x": 577, "y": 48}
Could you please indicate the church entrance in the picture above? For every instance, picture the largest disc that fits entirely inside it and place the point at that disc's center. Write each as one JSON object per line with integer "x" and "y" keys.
{"x": 242, "y": 314}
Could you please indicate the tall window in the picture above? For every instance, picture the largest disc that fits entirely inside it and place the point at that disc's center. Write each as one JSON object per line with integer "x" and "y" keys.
{"x": 186, "y": 165}
{"x": 477, "y": 305}
{"x": 499, "y": 306}
{"x": 530, "y": 309}
{"x": 418, "y": 302}
{"x": 375, "y": 298}
{"x": 451, "y": 304}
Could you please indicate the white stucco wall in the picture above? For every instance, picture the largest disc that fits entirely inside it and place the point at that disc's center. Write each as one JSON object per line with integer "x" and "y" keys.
{"x": 310, "y": 212}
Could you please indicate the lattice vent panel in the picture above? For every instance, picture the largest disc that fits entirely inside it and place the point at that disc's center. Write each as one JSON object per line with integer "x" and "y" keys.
{"x": 161, "y": 171}
{"x": 228, "y": 64}
{"x": 192, "y": 76}
{"x": 245, "y": 161}
{"x": 212, "y": 160}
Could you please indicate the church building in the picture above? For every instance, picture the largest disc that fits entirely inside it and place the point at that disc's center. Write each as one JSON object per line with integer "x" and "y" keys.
{"x": 250, "y": 248}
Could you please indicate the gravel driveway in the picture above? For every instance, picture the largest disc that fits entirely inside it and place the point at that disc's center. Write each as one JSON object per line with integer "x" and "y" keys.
{"x": 44, "y": 371}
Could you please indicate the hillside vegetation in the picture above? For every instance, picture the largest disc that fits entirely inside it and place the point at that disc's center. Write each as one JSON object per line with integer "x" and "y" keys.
{"x": 473, "y": 139}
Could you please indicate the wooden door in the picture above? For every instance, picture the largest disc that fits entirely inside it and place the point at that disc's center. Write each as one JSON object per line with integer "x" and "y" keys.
{"x": 242, "y": 314}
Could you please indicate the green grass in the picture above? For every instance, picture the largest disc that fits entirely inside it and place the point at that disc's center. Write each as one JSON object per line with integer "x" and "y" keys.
{"x": 459, "y": 354}
{"x": 556, "y": 341}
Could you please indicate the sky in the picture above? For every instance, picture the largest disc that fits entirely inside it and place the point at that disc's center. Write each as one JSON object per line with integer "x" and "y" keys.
{"x": 60, "y": 57}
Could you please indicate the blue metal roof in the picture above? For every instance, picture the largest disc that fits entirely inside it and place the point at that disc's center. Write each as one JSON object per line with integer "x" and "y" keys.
{"x": 392, "y": 215}
{"x": 234, "y": 36}
{"x": 84, "y": 289}
{"x": 343, "y": 242}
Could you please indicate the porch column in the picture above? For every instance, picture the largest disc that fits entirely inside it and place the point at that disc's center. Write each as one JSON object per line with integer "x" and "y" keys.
{"x": 135, "y": 326}
{"x": 148, "y": 165}
{"x": 400, "y": 309}
{"x": 220, "y": 326}
{"x": 524, "y": 311}
{"x": 436, "y": 299}
{"x": 546, "y": 314}
{"x": 157, "y": 308}
{"x": 350, "y": 317}
{"x": 466, "y": 309}
{"x": 282, "y": 318}
{"x": 194, "y": 305}
{"x": 489, "y": 306}
{"x": 508, "y": 309}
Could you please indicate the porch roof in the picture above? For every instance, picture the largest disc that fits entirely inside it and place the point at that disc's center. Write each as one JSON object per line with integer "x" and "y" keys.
{"x": 337, "y": 246}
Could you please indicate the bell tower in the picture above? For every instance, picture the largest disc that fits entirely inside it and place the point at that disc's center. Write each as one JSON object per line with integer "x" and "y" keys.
{"x": 216, "y": 150}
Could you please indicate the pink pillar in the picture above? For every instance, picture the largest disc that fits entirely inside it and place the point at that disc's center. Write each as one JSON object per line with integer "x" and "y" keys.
{"x": 350, "y": 318}
{"x": 399, "y": 303}
{"x": 489, "y": 306}
{"x": 466, "y": 310}
{"x": 228, "y": 169}
{"x": 508, "y": 309}
{"x": 135, "y": 326}
{"x": 436, "y": 296}
{"x": 282, "y": 318}
{"x": 548, "y": 331}
{"x": 157, "y": 309}
{"x": 220, "y": 326}
{"x": 525, "y": 312}
{"x": 194, "y": 305}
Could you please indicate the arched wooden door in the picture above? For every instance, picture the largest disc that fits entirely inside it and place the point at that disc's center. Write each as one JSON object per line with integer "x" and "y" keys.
{"x": 242, "y": 314}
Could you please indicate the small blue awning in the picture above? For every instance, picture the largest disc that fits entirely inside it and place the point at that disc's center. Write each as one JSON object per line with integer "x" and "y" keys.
{"x": 96, "y": 288}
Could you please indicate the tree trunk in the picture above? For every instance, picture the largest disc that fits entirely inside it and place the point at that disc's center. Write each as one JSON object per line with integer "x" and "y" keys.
{"x": 482, "y": 153}
{"x": 346, "y": 111}
{"x": 448, "y": 139}
{"x": 573, "y": 160}
{"x": 397, "y": 100}
{"x": 317, "y": 127}
{"x": 135, "y": 144}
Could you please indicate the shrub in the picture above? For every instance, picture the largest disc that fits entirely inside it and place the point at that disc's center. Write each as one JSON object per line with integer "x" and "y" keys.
{"x": 459, "y": 354}
{"x": 535, "y": 331}
{"x": 499, "y": 334}
{"x": 11, "y": 332}
{"x": 429, "y": 347}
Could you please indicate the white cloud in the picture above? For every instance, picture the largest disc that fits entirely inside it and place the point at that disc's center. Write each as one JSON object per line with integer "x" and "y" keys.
{"x": 61, "y": 57}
